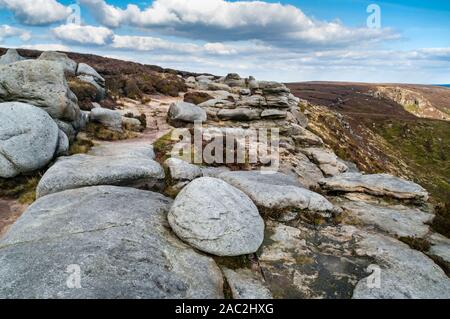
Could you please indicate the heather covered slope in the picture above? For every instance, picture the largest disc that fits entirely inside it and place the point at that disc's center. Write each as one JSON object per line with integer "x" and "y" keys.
{"x": 379, "y": 134}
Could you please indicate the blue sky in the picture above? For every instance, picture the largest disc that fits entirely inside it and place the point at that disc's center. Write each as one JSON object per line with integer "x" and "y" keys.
{"x": 297, "y": 40}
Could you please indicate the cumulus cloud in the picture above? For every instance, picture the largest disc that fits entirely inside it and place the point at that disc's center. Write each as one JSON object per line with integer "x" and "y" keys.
{"x": 36, "y": 12}
{"x": 220, "y": 20}
{"x": 46, "y": 47}
{"x": 141, "y": 43}
{"x": 84, "y": 35}
{"x": 7, "y": 31}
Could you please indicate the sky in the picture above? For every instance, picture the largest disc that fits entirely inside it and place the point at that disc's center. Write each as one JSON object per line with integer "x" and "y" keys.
{"x": 403, "y": 41}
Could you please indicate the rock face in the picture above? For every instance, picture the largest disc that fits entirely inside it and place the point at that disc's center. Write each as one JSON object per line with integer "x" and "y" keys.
{"x": 116, "y": 237}
{"x": 28, "y": 139}
{"x": 246, "y": 284}
{"x": 109, "y": 118}
{"x": 185, "y": 113}
{"x": 181, "y": 170}
{"x": 327, "y": 161}
{"x": 276, "y": 191}
{"x": 377, "y": 184}
{"x": 405, "y": 273}
{"x": 86, "y": 170}
{"x": 11, "y": 56}
{"x": 39, "y": 83}
{"x": 128, "y": 149}
{"x": 69, "y": 65}
{"x": 398, "y": 220}
{"x": 217, "y": 218}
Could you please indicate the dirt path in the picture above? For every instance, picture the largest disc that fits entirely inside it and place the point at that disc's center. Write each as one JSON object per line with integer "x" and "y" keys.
{"x": 156, "y": 113}
{"x": 10, "y": 210}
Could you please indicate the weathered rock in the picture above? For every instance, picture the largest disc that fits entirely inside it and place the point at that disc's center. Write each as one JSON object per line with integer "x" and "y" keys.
{"x": 217, "y": 218}
{"x": 11, "y": 56}
{"x": 440, "y": 247}
{"x": 63, "y": 144}
{"x": 131, "y": 124}
{"x": 214, "y": 171}
{"x": 67, "y": 128}
{"x": 83, "y": 170}
{"x": 181, "y": 170}
{"x": 85, "y": 69}
{"x": 377, "y": 184}
{"x": 326, "y": 159}
{"x": 398, "y": 220}
{"x": 101, "y": 91}
{"x": 69, "y": 65}
{"x": 234, "y": 80}
{"x": 128, "y": 149}
{"x": 28, "y": 139}
{"x": 310, "y": 263}
{"x": 239, "y": 114}
{"x": 246, "y": 284}
{"x": 277, "y": 192}
{"x": 307, "y": 173}
{"x": 40, "y": 83}
{"x": 252, "y": 101}
{"x": 302, "y": 137}
{"x": 109, "y": 118}
{"x": 217, "y": 103}
{"x": 116, "y": 237}
{"x": 405, "y": 273}
{"x": 218, "y": 87}
{"x": 273, "y": 114}
{"x": 186, "y": 113}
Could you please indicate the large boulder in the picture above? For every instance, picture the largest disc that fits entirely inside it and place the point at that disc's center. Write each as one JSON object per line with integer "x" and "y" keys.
{"x": 277, "y": 192}
{"x": 69, "y": 65}
{"x": 376, "y": 184}
{"x": 181, "y": 170}
{"x": 108, "y": 118}
{"x": 185, "y": 113}
{"x": 29, "y": 139}
{"x": 118, "y": 240}
{"x": 11, "y": 56}
{"x": 85, "y": 69}
{"x": 217, "y": 218}
{"x": 39, "y": 83}
{"x": 83, "y": 170}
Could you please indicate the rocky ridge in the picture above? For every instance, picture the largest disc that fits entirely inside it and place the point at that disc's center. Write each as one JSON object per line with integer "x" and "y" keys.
{"x": 315, "y": 231}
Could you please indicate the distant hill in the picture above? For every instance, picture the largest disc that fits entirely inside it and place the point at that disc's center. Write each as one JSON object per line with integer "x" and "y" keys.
{"x": 364, "y": 123}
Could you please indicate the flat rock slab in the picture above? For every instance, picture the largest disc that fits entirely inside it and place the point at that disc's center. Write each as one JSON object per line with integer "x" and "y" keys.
{"x": 86, "y": 170}
{"x": 327, "y": 161}
{"x": 120, "y": 149}
{"x": 404, "y": 273}
{"x": 299, "y": 261}
{"x": 181, "y": 170}
{"x": 246, "y": 284}
{"x": 116, "y": 239}
{"x": 377, "y": 184}
{"x": 398, "y": 220}
{"x": 217, "y": 218}
{"x": 276, "y": 191}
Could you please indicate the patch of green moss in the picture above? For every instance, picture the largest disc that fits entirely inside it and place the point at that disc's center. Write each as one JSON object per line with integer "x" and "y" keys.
{"x": 80, "y": 146}
{"x": 22, "y": 188}
{"x": 98, "y": 131}
{"x": 163, "y": 146}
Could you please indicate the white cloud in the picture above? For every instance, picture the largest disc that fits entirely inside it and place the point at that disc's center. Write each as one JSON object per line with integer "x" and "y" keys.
{"x": 36, "y": 12}
{"x": 84, "y": 35}
{"x": 7, "y": 31}
{"x": 220, "y": 20}
{"x": 46, "y": 47}
{"x": 141, "y": 43}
